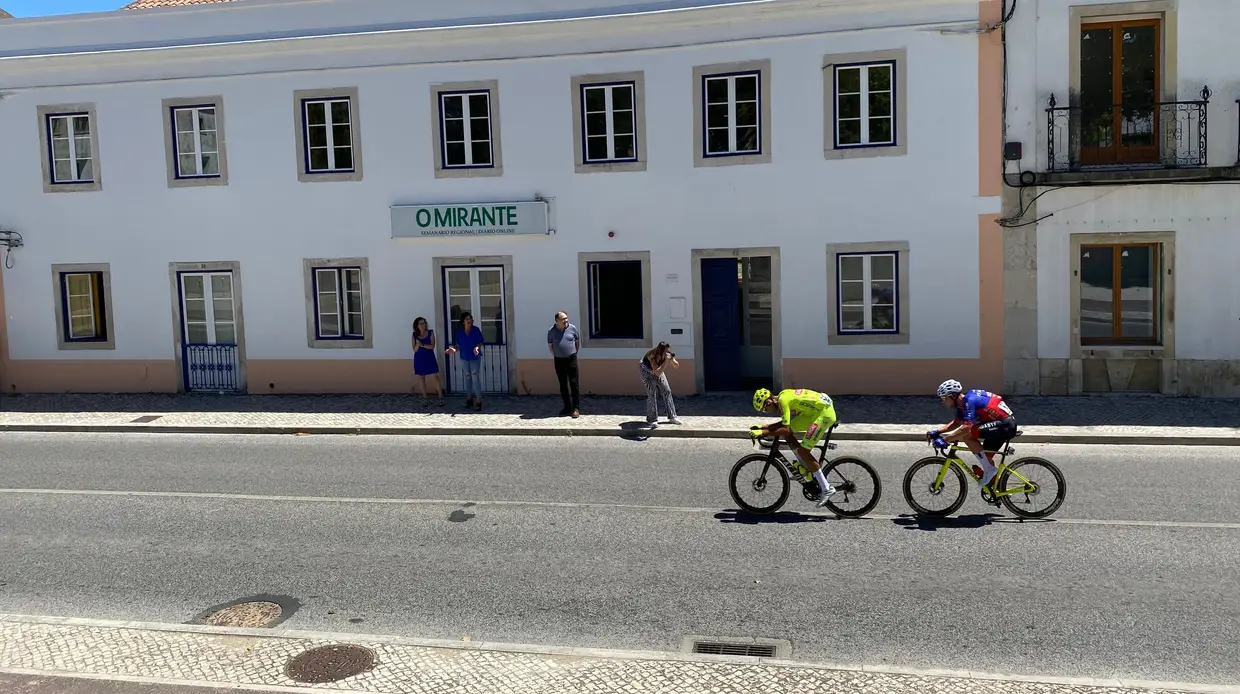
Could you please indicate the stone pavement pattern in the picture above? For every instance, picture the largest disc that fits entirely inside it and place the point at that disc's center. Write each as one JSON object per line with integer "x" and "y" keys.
{"x": 202, "y": 655}
{"x": 713, "y": 412}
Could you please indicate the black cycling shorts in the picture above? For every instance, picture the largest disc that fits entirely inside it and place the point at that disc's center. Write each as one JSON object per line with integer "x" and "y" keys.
{"x": 995, "y": 434}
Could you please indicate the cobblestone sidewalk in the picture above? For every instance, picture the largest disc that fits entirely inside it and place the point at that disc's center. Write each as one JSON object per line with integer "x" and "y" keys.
{"x": 1132, "y": 419}
{"x": 248, "y": 658}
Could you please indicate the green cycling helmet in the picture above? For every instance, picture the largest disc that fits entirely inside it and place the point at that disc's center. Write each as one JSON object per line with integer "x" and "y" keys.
{"x": 759, "y": 399}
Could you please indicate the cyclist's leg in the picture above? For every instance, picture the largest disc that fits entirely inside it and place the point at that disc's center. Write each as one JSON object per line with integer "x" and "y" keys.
{"x": 985, "y": 438}
{"x": 813, "y": 435}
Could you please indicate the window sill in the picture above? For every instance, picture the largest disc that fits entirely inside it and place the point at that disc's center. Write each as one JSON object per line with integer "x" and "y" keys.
{"x": 835, "y": 338}
{"x": 741, "y": 159}
{"x": 74, "y": 187}
{"x": 469, "y": 171}
{"x": 86, "y": 345}
{"x": 616, "y": 343}
{"x": 342, "y": 343}
{"x": 197, "y": 181}
{"x": 1122, "y": 351}
{"x": 610, "y": 166}
{"x": 329, "y": 176}
{"x": 865, "y": 152}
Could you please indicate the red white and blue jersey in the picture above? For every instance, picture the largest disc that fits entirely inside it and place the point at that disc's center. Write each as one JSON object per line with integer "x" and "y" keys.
{"x": 981, "y": 406}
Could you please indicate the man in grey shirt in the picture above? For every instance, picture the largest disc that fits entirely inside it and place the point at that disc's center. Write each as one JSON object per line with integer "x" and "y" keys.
{"x": 563, "y": 341}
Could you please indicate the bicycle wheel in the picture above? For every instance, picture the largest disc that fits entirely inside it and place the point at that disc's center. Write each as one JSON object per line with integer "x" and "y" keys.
{"x": 852, "y": 477}
{"x": 1020, "y": 503}
{"x": 762, "y": 467}
{"x": 953, "y": 490}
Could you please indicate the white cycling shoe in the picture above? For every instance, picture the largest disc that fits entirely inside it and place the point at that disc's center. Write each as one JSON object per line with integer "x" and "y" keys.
{"x": 826, "y": 495}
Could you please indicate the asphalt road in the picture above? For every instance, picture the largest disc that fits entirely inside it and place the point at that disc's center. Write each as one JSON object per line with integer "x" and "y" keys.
{"x": 623, "y": 544}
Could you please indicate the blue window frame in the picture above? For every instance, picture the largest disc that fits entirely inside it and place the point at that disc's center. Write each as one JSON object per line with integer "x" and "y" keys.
{"x": 83, "y": 318}
{"x": 465, "y": 129}
{"x": 70, "y": 149}
{"x": 609, "y": 122}
{"x": 616, "y": 303}
{"x": 327, "y": 132}
{"x": 338, "y": 301}
{"x": 865, "y": 105}
{"x": 195, "y": 138}
{"x": 868, "y": 293}
{"x": 732, "y": 114}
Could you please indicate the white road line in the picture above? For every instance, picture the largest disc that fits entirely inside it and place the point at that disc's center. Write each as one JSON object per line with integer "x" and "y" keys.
{"x": 476, "y": 503}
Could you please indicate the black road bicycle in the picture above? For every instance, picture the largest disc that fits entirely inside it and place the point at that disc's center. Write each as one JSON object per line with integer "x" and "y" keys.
{"x": 772, "y": 472}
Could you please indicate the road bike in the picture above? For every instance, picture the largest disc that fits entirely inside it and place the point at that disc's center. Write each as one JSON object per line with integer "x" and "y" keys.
{"x": 850, "y": 476}
{"x": 1012, "y": 486}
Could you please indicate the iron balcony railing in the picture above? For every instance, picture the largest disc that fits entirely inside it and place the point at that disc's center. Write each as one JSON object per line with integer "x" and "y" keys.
{"x": 1085, "y": 136}
{"x": 211, "y": 367}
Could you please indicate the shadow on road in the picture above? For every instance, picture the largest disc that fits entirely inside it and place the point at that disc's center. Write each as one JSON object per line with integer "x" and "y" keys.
{"x": 970, "y": 521}
{"x": 747, "y": 518}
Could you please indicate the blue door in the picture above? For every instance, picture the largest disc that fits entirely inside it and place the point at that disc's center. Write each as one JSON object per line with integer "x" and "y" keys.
{"x": 721, "y": 324}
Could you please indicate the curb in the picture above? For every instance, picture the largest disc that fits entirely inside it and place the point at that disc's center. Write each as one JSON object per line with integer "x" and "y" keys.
{"x": 601, "y": 653}
{"x": 662, "y": 432}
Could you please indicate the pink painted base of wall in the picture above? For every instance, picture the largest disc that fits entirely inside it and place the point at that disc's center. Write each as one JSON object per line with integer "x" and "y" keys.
{"x": 313, "y": 376}
{"x": 599, "y": 377}
{"x": 91, "y": 376}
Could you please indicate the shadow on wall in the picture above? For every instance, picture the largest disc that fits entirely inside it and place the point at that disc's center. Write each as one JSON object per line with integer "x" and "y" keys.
{"x": 1096, "y": 410}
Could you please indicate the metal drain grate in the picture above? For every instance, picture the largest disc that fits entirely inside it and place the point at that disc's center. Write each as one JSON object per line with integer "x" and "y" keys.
{"x": 744, "y": 646}
{"x": 755, "y": 650}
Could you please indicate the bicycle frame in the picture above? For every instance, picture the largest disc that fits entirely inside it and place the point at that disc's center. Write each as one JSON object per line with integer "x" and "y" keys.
{"x": 951, "y": 457}
{"x": 822, "y": 446}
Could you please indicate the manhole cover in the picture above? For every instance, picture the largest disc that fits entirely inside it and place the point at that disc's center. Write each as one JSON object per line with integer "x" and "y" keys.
{"x": 246, "y": 615}
{"x": 329, "y": 664}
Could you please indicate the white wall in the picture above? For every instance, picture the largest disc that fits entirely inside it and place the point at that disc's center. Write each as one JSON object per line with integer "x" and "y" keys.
{"x": 1207, "y": 294}
{"x": 1203, "y": 217}
{"x": 269, "y": 221}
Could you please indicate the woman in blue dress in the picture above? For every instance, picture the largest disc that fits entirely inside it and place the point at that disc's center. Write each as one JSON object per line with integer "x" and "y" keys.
{"x": 425, "y": 364}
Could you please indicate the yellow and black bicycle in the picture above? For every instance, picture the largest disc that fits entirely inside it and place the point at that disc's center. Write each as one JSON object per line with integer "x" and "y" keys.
{"x": 1019, "y": 486}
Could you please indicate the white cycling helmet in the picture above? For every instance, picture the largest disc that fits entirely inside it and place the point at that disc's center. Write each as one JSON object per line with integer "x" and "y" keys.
{"x": 949, "y": 387}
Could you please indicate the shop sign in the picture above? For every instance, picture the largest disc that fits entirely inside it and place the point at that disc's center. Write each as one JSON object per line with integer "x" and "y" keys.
{"x": 483, "y": 219}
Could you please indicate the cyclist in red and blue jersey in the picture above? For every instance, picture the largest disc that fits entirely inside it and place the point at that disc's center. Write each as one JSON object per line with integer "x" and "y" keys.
{"x": 983, "y": 422}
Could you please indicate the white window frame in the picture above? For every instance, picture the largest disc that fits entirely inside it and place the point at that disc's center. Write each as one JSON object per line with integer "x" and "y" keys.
{"x": 302, "y": 101}
{"x": 467, "y": 131}
{"x": 609, "y": 112}
{"x": 587, "y": 299}
{"x": 198, "y": 152}
{"x": 864, "y": 117}
{"x": 832, "y": 64}
{"x": 329, "y": 126}
{"x": 731, "y": 80}
{"x": 760, "y": 68}
{"x": 439, "y": 133}
{"x": 172, "y": 144}
{"x": 65, "y": 340}
{"x": 73, "y": 137}
{"x": 74, "y": 160}
{"x": 898, "y": 334}
{"x": 326, "y": 278}
{"x": 867, "y": 279}
{"x": 342, "y": 308}
{"x": 90, "y": 294}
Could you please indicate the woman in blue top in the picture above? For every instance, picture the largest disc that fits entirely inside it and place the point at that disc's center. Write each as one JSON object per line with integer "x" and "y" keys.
{"x": 468, "y": 343}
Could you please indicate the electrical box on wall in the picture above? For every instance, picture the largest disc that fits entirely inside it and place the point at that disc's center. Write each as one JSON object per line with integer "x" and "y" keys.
{"x": 1013, "y": 151}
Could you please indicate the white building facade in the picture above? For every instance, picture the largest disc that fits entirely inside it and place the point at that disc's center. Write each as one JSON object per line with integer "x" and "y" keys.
{"x": 1122, "y": 208}
{"x": 262, "y": 196}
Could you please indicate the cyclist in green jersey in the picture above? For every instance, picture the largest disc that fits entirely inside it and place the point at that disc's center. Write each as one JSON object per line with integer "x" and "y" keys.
{"x": 800, "y": 410}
